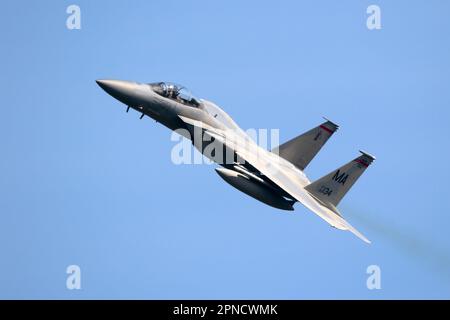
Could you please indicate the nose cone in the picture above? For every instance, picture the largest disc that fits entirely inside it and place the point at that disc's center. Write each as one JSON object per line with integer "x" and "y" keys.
{"x": 121, "y": 90}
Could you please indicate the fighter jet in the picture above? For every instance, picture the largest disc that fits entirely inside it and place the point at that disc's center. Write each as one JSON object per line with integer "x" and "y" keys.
{"x": 275, "y": 177}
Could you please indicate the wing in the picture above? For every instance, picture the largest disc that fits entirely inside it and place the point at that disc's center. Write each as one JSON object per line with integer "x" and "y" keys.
{"x": 284, "y": 174}
{"x": 288, "y": 180}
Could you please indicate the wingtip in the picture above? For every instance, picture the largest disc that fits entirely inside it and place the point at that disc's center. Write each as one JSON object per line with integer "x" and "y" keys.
{"x": 353, "y": 230}
{"x": 360, "y": 235}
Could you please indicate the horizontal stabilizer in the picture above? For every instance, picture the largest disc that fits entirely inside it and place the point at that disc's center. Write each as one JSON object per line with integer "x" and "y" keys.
{"x": 302, "y": 149}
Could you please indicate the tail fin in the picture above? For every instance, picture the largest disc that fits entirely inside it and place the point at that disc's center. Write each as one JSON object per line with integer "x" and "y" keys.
{"x": 302, "y": 149}
{"x": 332, "y": 188}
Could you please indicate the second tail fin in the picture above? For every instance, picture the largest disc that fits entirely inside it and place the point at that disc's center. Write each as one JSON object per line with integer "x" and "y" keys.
{"x": 332, "y": 188}
{"x": 302, "y": 149}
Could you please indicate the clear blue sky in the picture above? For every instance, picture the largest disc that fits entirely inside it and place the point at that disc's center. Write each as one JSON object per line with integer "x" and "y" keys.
{"x": 85, "y": 183}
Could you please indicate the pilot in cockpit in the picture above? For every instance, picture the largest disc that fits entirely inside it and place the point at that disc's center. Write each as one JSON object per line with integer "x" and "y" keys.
{"x": 172, "y": 92}
{"x": 175, "y": 92}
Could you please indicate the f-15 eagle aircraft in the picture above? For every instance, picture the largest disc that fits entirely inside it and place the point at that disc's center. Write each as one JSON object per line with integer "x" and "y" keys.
{"x": 273, "y": 177}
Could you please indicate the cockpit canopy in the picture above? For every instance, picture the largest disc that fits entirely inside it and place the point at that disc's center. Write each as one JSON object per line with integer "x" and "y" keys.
{"x": 175, "y": 92}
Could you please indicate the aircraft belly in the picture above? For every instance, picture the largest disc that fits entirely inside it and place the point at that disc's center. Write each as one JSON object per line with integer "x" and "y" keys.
{"x": 254, "y": 189}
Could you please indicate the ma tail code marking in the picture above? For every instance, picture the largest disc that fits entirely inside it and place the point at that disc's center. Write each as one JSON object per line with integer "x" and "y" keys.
{"x": 340, "y": 177}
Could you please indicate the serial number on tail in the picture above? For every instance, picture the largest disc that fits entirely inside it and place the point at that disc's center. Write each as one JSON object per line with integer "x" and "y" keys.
{"x": 325, "y": 190}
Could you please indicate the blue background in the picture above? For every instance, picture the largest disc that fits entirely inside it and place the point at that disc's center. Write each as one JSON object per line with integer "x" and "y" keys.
{"x": 85, "y": 183}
